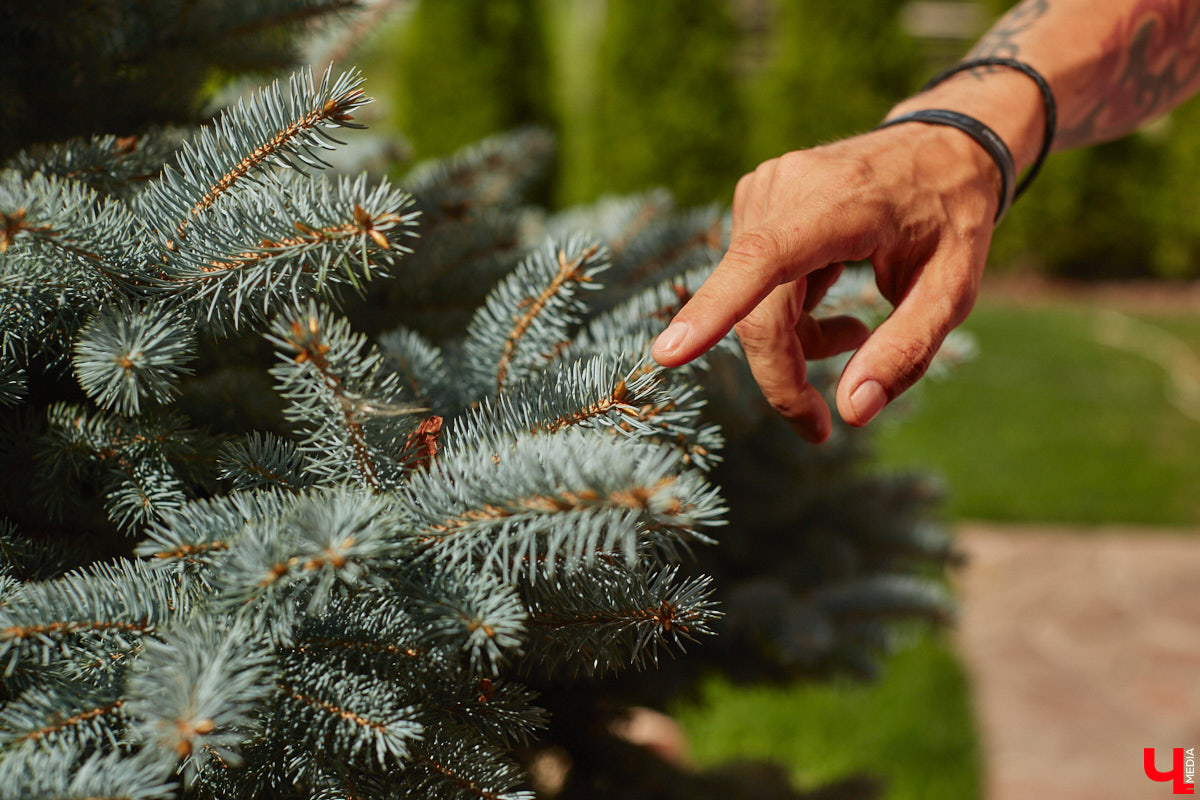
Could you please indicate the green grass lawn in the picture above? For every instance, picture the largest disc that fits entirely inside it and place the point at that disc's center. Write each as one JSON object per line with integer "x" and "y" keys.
{"x": 1050, "y": 424}
{"x": 913, "y": 729}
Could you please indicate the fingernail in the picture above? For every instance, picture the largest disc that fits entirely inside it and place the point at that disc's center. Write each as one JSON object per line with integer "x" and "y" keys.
{"x": 669, "y": 340}
{"x": 867, "y": 400}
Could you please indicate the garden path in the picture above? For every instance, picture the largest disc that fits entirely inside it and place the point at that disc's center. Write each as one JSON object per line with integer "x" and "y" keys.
{"x": 1083, "y": 649}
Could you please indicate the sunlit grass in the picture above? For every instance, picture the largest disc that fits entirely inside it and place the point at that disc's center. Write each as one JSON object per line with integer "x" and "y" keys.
{"x": 1050, "y": 424}
{"x": 913, "y": 729}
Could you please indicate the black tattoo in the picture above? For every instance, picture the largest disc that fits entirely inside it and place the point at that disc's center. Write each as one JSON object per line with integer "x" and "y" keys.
{"x": 1141, "y": 90}
{"x": 1001, "y": 40}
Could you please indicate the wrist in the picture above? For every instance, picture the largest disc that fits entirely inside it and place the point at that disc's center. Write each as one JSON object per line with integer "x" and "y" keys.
{"x": 1006, "y": 101}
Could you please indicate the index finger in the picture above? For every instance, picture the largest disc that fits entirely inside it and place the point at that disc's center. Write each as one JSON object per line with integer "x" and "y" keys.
{"x": 756, "y": 262}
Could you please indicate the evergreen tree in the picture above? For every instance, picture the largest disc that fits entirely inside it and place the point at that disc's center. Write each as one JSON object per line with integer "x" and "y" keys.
{"x": 333, "y": 607}
{"x": 248, "y": 551}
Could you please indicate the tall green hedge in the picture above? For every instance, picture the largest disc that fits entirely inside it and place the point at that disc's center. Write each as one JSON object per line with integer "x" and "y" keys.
{"x": 834, "y": 69}
{"x": 1123, "y": 209}
{"x": 468, "y": 68}
{"x": 667, "y": 109}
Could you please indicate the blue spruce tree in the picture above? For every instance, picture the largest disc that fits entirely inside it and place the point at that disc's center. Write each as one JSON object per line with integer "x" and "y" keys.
{"x": 323, "y": 488}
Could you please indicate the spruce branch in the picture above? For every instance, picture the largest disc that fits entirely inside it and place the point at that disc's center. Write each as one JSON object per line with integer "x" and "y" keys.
{"x": 420, "y": 367}
{"x": 58, "y": 246}
{"x": 670, "y": 247}
{"x": 612, "y": 616}
{"x": 369, "y": 633}
{"x": 201, "y": 531}
{"x": 632, "y": 325}
{"x": 118, "y": 166}
{"x": 276, "y": 128}
{"x": 45, "y": 218}
{"x": 330, "y": 781}
{"x": 455, "y": 266}
{"x": 125, "y": 356}
{"x": 617, "y": 220}
{"x": 197, "y": 691}
{"x": 112, "y": 775}
{"x": 26, "y": 559}
{"x": 528, "y": 317}
{"x": 855, "y": 293}
{"x": 37, "y": 321}
{"x": 94, "y": 610}
{"x": 134, "y": 460}
{"x": 326, "y": 544}
{"x": 62, "y": 718}
{"x": 291, "y": 237}
{"x": 473, "y": 613}
{"x": 559, "y": 500}
{"x": 463, "y": 768}
{"x": 80, "y": 439}
{"x": 354, "y": 716}
{"x": 13, "y": 384}
{"x": 141, "y": 492}
{"x": 493, "y": 172}
{"x": 355, "y": 420}
{"x": 263, "y": 460}
{"x": 597, "y": 392}
{"x": 501, "y": 711}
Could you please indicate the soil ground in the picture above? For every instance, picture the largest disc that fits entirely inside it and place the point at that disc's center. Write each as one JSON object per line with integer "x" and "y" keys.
{"x": 1149, "y": 297}
{"x": 1084, "y": 648}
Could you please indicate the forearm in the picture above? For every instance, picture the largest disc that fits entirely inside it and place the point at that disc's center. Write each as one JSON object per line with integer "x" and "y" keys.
{"x": 1112, "y": 64}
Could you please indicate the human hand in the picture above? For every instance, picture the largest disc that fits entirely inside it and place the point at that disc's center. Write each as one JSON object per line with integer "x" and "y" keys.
{"x": 916, "y": 201}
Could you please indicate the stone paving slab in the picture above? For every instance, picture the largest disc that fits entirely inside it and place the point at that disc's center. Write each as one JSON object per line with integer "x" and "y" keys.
{"x": 1084, "y": 648}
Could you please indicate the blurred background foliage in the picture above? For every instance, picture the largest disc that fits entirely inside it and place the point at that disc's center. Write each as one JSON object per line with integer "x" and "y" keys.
{"x": 691, "y": 94}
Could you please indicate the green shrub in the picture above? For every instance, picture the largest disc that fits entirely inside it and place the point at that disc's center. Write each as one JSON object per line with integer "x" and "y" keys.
{"x": 667, "y": 110}
{"x": 465, "y": 69}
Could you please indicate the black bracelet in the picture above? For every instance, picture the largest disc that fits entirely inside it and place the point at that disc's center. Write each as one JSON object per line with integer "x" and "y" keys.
{"x": 988, "y": 139}
{"x": 1047, "y": 100}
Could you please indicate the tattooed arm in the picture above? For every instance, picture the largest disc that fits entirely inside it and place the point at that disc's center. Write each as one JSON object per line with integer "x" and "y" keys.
{"x": 918, "y": 201}
{"x": 1113, "y": 64}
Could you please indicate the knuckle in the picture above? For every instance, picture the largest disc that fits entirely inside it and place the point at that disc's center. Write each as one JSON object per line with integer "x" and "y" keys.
{"x": 743, "y": 186}
{"x": 766, "y": 169}
{"x": 754, "y": 248}
{"x": 789, "y": 407}
{"x": 798, "y": 160}
{"x": 753, "y": 330}
{"x": 742, "y": 193}
{"x": 911, "y": 358}
{"x": 857, "y": 172}
{"x": 962, "y": 290}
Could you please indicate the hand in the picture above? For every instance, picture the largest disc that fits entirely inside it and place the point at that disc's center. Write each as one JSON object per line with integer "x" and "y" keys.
{"x": 915, "y": 200}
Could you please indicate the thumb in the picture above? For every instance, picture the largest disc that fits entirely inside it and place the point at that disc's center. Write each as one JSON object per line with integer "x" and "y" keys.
{"x": 898, "y": 353}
